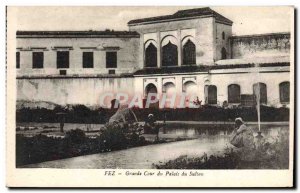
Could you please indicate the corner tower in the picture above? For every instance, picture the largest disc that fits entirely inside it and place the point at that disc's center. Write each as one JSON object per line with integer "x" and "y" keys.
{"x": 188, "y": 37}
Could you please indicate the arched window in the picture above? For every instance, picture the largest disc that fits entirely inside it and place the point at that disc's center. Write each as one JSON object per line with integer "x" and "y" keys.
{"x": 151, "y": 56}
{"x": 284, "y": 92}
{"x": 260, "y": 91}
{"x": 224, "y": 54}
{"x": 190, "y": 88}
{"x": 189, "y": 53}
{"x": 223, "y": 35}
{"x": 234, "y": 93}
{"x": 170, "y": 90}
{"x": 150, "y": 88}
{"x": 210, "y": 92}
{"x": 169, "y": 55}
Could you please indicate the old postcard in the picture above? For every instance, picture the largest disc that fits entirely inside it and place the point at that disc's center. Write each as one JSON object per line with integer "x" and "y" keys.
{"x": 150, "y": 96}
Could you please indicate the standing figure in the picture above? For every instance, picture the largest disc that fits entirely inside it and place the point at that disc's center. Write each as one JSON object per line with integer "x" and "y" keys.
{"x": 62, "y": 119}
{"x": 62, "y": 123}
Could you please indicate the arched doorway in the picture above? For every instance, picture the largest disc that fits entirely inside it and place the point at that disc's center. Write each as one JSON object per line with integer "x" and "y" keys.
{"x": 151, "y": 89}
{"x": 169, "y": 55}
{"x": 234, "y": 93}
{"x": 223, "y": 54}
{"x": 210, "y": 92}
{"x": 191, "y": 91}
{"x": 151, "y": 56}
{"x": 284, "y": 92}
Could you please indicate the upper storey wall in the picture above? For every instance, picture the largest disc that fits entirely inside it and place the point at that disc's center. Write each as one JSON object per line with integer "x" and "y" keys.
{"x": 201, "y": 32}
{"x": 223, "y": 34}
{"x": 264, "y": 45}
{"x": 126, "y": 49}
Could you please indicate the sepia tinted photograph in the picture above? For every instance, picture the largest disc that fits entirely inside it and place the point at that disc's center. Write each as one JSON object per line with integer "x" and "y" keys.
{"x": 161, "y": 88}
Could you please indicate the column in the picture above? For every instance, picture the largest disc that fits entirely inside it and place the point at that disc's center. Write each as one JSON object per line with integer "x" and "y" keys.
{"x": 143, "y": 50}
{"x": 158, "y": 50}
{"x": 179, "y": 47}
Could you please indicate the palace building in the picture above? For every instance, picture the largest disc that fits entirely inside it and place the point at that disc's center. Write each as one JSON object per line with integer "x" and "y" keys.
{"x": 191, "y": 51}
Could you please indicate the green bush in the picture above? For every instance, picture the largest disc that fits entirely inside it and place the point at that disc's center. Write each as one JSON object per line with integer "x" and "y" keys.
{"x": 119, "y": 136}
{"x": 270, "y": 155}
{"x": 76, "y": 136}
{"x": 82, "y": 114}
{"x": 41, "y": 148}
{"x": 113, "y": 137}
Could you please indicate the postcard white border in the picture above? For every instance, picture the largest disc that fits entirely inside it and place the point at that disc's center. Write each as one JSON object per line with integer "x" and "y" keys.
{"x": 95, "y": 177}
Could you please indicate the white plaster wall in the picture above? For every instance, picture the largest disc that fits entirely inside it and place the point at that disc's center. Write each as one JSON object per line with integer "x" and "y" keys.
{"x": 222, "y": 79}
{"x": 150, "y": 36}
{"x": 246, "y": 82}
{"x": 188, "y": 32}
{"x": 127, "y": 56}
{"x": 64, "y": 91}
{"x": 265, "y": 45}
{"x": 202, "y": 28}
{"x": 220, "y": 43}
{"x": 88, "y": 90}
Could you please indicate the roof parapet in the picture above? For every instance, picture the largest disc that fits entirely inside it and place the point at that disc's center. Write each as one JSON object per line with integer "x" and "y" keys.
{"x": 183, "y": 15}
{"x": 77, "y": 34}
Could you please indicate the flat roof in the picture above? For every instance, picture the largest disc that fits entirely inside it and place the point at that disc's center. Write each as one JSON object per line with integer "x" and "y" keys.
{"x": 78, "y": 34}
{"x": 261, "y": 35}
{"x": 205, "y": 68}
{"x": 183, "y": 14}
{"x": 255, "y": 60}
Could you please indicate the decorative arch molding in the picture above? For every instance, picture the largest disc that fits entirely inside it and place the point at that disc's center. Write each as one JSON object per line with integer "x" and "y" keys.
{"x": 207, "y": 81}
{"x": 186, "y": 38}
{"x": 189, "y": 79}
{"x": 169, "y": 38}
{"x": 169, "y": 83}
{"x": 148, "y": 42}
{"x": 167, "y": 86}
{"x": 168, "y": 80}
{"x": 148, "y": 81}
{"x": 187, "y": 84}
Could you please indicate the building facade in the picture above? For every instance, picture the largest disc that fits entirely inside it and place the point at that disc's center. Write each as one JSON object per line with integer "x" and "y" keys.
{"x": 191, "y": 51}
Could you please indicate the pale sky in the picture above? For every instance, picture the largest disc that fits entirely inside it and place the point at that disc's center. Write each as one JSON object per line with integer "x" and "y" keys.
{"x": 246, "y": 20}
